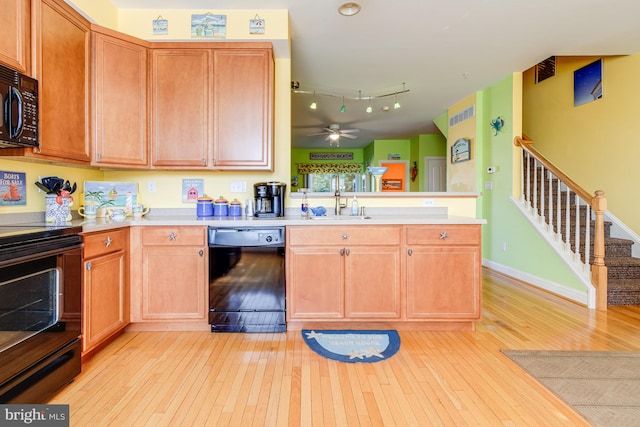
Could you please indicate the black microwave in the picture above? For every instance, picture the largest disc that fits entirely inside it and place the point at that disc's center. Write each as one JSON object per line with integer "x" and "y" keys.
{"x": 18, "y": 109}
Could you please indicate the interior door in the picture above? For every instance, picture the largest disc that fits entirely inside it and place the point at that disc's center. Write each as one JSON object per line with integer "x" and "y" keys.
{"x": 435, "y": 178}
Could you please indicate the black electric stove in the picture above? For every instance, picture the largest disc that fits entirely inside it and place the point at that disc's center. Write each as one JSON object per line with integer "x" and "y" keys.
{"x": 23, "y": 240}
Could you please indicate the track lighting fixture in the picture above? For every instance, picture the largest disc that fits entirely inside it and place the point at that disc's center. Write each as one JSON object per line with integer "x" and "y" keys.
{"x": 343, "y": 107}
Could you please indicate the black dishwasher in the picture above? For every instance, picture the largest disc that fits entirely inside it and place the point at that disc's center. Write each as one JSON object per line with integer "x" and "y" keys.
{"x": 246, "y": 279}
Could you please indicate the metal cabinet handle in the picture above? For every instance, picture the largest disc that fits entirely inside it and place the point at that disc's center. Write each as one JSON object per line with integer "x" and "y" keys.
{"x": 443, "y": 235}
{"x": 342, "y": 252}
{"x": 89, "y": 266}
{"x": 173, "y": 236}
{"x": 410, "y": 251}
{"x": 345, "y": 236}
{"x": 348, "y": 252}
{"x": 108, "y": 242}
{"x": 201, "y": 252}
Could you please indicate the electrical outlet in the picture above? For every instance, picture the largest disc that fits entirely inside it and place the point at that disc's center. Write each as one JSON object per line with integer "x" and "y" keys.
{"x": 488, "y": 185}
{"x": 151, "y": 186}
{"x": 238, "y": 187}
{"x": 429, "y": 202}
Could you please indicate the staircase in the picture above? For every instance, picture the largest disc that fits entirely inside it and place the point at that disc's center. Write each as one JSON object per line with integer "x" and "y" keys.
{"x": 566, "y": 217}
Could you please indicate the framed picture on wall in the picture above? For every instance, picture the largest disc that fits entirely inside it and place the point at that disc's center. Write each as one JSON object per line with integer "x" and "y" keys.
{"x": 587, "y": 83}
{"x": 461, "y": 150}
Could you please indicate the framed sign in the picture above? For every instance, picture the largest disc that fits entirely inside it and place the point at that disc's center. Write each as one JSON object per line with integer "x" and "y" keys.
{"x": 331, "y": 156}
{"x": 461, "y": 150}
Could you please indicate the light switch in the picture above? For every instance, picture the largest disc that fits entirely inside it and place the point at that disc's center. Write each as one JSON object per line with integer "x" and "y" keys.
{"x": 238, "y": 187}
{"x": 488, "y": 185}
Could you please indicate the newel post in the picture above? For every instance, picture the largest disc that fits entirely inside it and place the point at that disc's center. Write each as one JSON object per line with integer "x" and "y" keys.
{"x": 598, "y": 268}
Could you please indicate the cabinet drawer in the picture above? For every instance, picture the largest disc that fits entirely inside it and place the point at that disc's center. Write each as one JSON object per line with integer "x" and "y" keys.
{"x": 343, "y": 235}
{"x": 443, "y": 235}
{"x": 104, "y": 242}
{"x": 176, "y": 236}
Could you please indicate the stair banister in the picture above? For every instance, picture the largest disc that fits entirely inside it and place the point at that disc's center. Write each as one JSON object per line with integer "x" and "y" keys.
{"x": 597, "y": 203}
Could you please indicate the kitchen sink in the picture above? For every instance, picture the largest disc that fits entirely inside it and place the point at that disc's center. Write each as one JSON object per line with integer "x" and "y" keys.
{"x": 340, "y": 218}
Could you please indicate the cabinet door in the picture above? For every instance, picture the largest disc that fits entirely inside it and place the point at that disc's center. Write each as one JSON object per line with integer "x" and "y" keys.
{"x": 315, "y": 283}
{"x": 119, "y": 98}
{"x": 242, "y": 109}
{"x": 15, "y": 43}
{"x": 174, "y": 283}
{"x": 443, "y": 283}
{"x": 181, "y": 114}
{"x": 372, "y": 282}
{"x": 104, "y": 310}
{"x": 63, "y": 74}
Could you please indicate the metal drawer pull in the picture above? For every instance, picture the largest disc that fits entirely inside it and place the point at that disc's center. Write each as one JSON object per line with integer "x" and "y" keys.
{"x": 443, "y": 235}
{"x": 410, "y": 251}
{"x": 107, "y": 243}
{"x": 201, "y": 253}
{"x": 345, "y": 236}
{"x": 342, "y": 251}
{"x": 173, "y": 236}
{"x": 348, "y": 252}
{"x": 89, "y": 266}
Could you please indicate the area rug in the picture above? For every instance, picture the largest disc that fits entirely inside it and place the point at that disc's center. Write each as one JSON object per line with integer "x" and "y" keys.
{"x": 602, "y": 386}
{"x": 353, "y": 345}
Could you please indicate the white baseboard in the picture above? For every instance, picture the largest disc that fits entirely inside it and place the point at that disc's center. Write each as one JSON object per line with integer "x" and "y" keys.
{"x": 556, "y": 288}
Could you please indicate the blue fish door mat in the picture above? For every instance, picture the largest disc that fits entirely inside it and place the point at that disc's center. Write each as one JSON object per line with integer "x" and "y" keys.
{"x": 353, "y": 345}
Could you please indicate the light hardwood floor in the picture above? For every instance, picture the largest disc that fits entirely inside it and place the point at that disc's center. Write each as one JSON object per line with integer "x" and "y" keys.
{"x": 436, "y": 379}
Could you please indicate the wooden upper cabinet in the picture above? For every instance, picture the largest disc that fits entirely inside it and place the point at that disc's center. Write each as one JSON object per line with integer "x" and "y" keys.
{"x": 119, "y": 100}
{"x": 63, "y": 43}
{"x": 181, "y": 107}
{"x": 242, "y": 108}
{"x": 15, "y": 43}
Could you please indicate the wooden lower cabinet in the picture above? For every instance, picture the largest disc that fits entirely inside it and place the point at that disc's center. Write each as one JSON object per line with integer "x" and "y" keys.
{"x": 346, "y": 273}
{"x": 315, "y": 283}
{"x": 170, "y": 274}
{"x": 105, "y": 308}
{"x": 443, "y": 272}
{"x": 408, "y": 276}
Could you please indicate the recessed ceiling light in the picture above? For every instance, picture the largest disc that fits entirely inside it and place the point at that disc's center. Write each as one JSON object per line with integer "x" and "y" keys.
{"x": 349, "y": 9}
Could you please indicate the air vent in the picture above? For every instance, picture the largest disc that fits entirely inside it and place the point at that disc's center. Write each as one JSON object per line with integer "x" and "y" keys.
{"x": 463, "y": 115}
{"x": 546, "y": 69}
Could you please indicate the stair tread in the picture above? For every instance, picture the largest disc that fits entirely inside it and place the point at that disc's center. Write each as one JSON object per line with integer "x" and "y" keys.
{"x": 617, "y": 261}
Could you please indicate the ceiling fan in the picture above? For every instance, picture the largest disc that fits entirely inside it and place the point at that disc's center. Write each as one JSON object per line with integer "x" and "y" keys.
{"x": 334, "y": 133}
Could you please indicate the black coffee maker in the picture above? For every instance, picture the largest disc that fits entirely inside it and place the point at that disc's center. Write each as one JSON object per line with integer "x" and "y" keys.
{"x": 269, "y": 199}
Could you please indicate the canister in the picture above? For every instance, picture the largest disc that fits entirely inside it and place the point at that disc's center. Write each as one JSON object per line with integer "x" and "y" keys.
{"x": 221, "y": 207}
{"x": 235, "y": 208}
{"x": 204, "y": 206}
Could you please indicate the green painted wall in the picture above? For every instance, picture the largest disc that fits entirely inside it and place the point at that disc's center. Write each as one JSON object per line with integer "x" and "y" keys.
{"x": 384, "y": 147}
{"x": 526, "y": 251}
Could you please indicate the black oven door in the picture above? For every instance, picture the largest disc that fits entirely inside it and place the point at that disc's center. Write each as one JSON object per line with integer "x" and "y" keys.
{"x": 39, "y": 325}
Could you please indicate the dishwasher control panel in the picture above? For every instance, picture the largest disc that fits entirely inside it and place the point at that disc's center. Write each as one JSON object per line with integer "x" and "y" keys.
{"x": 246, "y": 236}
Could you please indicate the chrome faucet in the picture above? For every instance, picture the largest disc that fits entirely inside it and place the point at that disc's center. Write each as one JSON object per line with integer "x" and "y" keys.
{"x": 339, "y": 205}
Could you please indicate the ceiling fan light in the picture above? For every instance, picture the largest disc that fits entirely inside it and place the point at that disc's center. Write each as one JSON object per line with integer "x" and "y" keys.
{"x": 396, "y": 105}
{"x": 349, "y": 9}
{"x": 369, "y": 109}
{"x": 334, "y": 136}
{"x": 313, "y": 105}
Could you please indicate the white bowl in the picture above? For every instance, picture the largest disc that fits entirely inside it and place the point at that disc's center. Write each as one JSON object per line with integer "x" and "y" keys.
{"x": 377, "y": 170}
